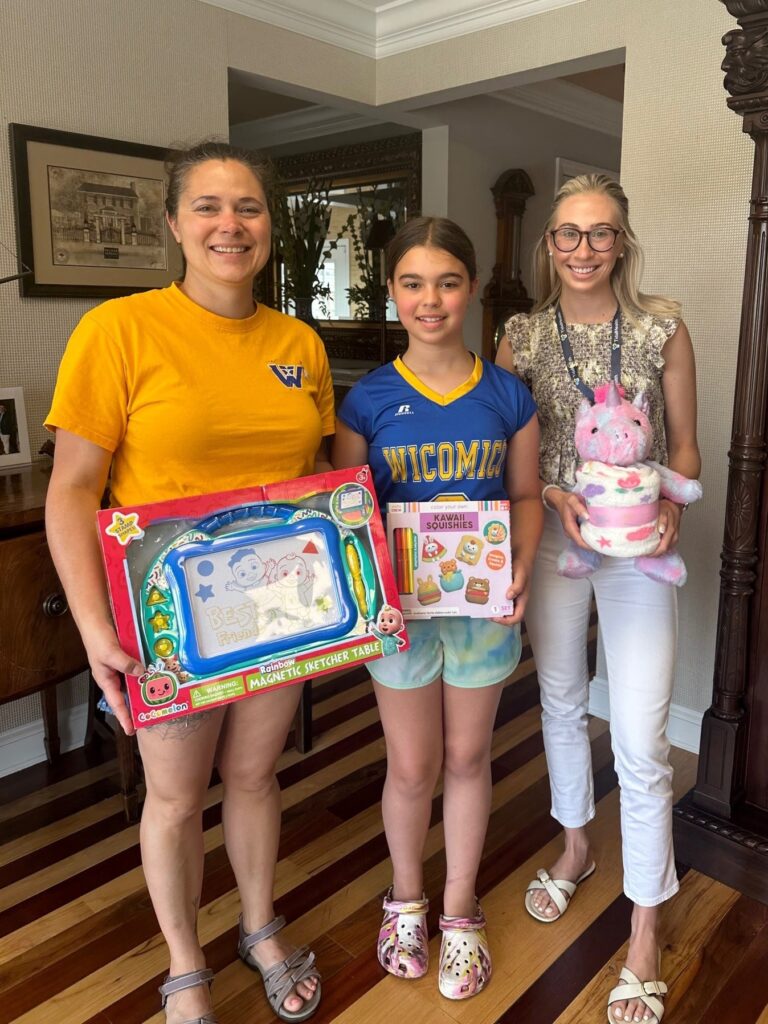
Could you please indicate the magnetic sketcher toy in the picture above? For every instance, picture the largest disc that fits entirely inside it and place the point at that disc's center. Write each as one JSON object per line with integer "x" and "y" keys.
{"x": 221, "y": 596}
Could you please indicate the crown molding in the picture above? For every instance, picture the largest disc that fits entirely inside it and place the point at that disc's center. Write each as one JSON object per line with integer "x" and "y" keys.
{"x": 338, "y": 22}
{"x": 385, "y": 29}
{"x": 297, "y": 125}
{"x": 568, "y": 102}
{"x": 408, "y": 25}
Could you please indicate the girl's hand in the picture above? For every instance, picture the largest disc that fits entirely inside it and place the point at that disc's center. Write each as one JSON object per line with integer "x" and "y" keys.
{"x": 570, "y": 508}
{"x": 669, "y": 526}
{"x": 517, "y": 591}
{"x": 108, "y": 661}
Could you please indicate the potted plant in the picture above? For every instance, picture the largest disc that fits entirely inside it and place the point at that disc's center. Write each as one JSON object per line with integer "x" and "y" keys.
{"x": 373, "y": 205}
{"x": 300, "y": 229}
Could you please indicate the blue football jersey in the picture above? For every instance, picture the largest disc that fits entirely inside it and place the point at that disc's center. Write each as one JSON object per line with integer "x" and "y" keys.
{"x": 422, "y": 445}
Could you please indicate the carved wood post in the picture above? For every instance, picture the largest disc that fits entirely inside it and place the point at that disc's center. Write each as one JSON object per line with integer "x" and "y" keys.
{"x": 721, "y": 765}
{"x": 505, "y": 293}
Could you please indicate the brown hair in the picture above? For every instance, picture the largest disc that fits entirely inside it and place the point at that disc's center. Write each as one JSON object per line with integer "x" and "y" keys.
{"x": 181, "y": 162}
{"x": 627, "y": 272}
{"x": 435, "y": 233}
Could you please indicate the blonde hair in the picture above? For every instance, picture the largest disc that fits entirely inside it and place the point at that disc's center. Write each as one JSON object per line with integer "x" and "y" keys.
{"x": 627, "y": 272}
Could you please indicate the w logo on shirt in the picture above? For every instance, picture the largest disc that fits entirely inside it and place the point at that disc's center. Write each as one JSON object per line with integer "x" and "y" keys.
{"x": 290, "y": 376}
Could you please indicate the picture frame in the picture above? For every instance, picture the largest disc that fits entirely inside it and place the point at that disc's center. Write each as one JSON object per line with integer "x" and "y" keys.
{"x": 566, "y": 169}
{"x": 14, "y": 434}
{"x": 90, "y": 214}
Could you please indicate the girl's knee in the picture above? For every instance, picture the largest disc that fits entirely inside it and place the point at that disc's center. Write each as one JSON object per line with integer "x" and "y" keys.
{"x": 413, "y": 776}
{"x": 467, "y": 761}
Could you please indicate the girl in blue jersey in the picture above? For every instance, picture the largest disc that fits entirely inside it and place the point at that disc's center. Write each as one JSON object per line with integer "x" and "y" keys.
{"x": 440, "y": 420}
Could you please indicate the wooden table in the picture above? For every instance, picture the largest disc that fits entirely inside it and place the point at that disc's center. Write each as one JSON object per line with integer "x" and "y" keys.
{"x": 39, "y": 642}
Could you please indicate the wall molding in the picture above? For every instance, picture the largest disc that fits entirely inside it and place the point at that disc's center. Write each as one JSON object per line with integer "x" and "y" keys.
{"x": 385, "y": 29}
{"x": 297, "y": 125}
{"x": 568, "y": 102}
{"x": 24, "y": 746}
{"x": 684, "y": 728}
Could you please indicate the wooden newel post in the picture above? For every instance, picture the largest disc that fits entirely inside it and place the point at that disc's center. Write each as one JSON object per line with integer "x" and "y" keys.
{"x": 715, "y": 830}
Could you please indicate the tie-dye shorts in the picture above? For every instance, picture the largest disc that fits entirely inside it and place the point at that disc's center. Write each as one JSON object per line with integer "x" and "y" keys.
{"x": 466, "y": 652}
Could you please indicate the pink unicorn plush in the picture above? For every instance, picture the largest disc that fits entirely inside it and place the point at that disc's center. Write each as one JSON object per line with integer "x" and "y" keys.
{"x": 621, "y": 489}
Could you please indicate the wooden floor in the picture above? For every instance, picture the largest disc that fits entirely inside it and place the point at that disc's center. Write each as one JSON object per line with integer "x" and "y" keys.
{"x": 79, "y": 943}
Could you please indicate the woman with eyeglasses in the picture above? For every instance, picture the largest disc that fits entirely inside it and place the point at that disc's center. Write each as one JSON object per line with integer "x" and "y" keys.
{"x": 591, "y": 324}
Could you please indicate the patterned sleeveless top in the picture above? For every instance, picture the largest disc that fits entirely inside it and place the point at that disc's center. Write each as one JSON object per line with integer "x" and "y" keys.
{"x": 540, "y": 363}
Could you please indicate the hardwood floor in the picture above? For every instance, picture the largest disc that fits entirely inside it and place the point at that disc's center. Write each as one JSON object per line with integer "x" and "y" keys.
{"x": 79, "y": 943}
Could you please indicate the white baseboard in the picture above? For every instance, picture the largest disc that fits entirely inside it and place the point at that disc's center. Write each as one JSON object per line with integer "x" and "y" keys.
{"x": 684, "y": 728}
{"x": 25, "y": 745}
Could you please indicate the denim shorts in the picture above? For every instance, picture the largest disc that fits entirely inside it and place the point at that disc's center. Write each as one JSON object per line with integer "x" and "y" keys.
{"x": 467, "y": 652}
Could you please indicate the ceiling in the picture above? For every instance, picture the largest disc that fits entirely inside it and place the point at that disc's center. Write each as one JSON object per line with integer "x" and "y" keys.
{"x": 591, "y": 98}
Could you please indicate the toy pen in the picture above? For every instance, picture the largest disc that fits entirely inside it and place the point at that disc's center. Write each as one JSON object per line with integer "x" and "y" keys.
{"x": 358, "y": 584}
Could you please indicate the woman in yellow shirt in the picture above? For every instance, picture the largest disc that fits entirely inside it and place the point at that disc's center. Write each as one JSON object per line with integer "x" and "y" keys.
{"x": 180, "y": 391}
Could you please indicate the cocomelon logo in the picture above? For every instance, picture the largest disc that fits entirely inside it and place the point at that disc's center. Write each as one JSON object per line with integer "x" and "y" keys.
{"x": 155, "y": 713}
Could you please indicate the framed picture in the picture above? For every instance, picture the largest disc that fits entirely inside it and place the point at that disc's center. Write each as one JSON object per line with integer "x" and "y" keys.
{"x": 566, "y": 169}
{"x": 14, "y": 437}
{"x": 90, "y": 214}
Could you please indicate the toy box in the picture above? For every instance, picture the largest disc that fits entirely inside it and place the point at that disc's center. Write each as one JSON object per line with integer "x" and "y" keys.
{"x": 451, "y": 557}
{"x": 221, "y": 596}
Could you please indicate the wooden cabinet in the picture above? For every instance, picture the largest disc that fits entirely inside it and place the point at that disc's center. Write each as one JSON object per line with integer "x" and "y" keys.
{"x": 39, "y": 642}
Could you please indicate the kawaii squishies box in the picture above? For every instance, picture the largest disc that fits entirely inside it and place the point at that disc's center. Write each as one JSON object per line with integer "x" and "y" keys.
{"x": 451, "y": 557}
{"x": 222, "y": 596}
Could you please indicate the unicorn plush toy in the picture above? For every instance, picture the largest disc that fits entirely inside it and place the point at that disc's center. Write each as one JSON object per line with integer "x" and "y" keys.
{"x": 621, "y": 489}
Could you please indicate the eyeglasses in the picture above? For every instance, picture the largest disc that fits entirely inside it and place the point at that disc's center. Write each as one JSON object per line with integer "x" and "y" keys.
{"x": 598, "y": 239}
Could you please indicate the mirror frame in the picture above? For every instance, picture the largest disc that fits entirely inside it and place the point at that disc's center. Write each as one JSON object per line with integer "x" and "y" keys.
{"x": 397, "y": 158}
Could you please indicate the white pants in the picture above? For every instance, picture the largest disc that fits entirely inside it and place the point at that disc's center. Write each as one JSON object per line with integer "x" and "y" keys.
{"x": 638, "y": 626}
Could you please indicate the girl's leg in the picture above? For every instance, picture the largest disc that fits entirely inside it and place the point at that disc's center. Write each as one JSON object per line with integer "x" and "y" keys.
{"x": 413, "y": 729}
{"x": 252, "y": 740}
{"x": 468, "y": 717}
{"x": 638, "y": 623}
{"x": 557, "y": 620}
{"x": 178, "y": 758}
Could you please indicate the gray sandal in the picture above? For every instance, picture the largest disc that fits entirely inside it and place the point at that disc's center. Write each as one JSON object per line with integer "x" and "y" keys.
{"x": 283, "y": 976}
{"x": 190, "y": 980}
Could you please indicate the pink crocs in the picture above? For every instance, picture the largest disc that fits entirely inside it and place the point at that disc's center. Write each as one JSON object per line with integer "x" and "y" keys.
{"x": 403, "y": 945}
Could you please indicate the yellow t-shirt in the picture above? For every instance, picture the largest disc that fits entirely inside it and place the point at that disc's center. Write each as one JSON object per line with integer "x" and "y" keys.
{"x": 191, "y": 402}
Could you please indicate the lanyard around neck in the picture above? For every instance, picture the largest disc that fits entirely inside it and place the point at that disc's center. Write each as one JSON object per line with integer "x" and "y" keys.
{"x": 570, "y": 362}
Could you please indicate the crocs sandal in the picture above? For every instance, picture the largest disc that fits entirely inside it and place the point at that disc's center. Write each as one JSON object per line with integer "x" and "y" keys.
{"x": 559, "y": 890}
{"x": 190, "y": 980}
{"x": 465, "y": 959}
{"x": 281, "y": 977}
{"x": 403, "y": 944}
{"x": 630, "y": 987}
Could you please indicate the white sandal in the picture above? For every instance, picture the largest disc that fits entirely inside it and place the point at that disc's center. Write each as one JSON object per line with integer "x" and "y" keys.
{"x": 630, "y": 987}
{"x": 559, "y": 890}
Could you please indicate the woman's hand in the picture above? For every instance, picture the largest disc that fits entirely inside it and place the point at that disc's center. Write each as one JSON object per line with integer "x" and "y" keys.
{"x": 517, "y": 591}
{"x": 570, "y": 507}
{"x": 670, "y": 515}
{"x": 108, "y": 663}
